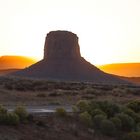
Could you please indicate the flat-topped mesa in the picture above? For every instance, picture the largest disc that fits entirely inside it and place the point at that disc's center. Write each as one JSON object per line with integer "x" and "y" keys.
{"x": 63, "y": 62}
{"x": 61, "y": 45}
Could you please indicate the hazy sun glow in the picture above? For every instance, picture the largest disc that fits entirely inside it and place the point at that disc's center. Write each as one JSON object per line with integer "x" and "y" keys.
{"x": 108, "y": 30}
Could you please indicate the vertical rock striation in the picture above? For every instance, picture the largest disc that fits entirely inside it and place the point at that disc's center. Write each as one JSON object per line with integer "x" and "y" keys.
{"x": 61, "y": 45}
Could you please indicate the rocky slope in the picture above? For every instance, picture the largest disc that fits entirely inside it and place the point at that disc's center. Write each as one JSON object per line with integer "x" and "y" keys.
{"x": 62, "y": 61}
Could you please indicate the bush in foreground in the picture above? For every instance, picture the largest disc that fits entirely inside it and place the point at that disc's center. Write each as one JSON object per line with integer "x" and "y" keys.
{"x": 97, "y": 121}
{"x": 9, "y": 119}
{"x": 86, "y": 118}
{"x": 97, "y": 112}
{"x": 138, "y": 127}
{"x": 61, "y": 112}
{"x": 134, "y": 105}
{"x": 22, "y": 113}
{"x": 12, "y": 119}
{"x": 3, "y": 110}
{"x": 108, "y": 128}
{"x": 132, "y": 136}
{"x": 127, "y": 122}
{"x": 82, "y": 105}
{"x": 109, "y": 108}
{"x": 117, "y": 122}
{"x": 132, "y": 114}
{"x": 109, "y": 118}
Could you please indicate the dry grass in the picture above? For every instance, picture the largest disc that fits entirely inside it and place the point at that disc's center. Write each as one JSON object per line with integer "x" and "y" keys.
{"x": 41, "y": 92}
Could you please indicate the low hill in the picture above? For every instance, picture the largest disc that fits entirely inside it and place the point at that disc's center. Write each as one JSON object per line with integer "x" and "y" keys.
{"x": 8, "y": 71}
{"x": 133, "y": 79}
{"x": 15, "y": 62}
{"x": 122, "y": 69}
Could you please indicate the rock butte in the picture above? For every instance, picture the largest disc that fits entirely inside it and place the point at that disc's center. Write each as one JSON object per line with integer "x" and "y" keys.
{"x": 63, "y": 62}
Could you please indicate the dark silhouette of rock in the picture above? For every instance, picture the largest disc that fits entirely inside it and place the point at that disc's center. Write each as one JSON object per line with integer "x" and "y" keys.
{"x": 61, "y": 45}
{"x": 62, "y": 61}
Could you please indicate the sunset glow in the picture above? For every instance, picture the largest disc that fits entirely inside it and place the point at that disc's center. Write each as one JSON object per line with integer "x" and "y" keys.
{"x": 108, "y": 30}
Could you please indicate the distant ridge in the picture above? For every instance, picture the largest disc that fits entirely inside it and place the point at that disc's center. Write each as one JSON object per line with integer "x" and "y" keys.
{"x": 15, "y": 62}
{"x": 122, "y": 69}
{"x": 62, "y": 61}
{"x": 8, "y": 71}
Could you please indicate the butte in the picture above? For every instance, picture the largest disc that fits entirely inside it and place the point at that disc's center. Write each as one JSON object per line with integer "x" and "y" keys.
{"x": 63, "y": 62}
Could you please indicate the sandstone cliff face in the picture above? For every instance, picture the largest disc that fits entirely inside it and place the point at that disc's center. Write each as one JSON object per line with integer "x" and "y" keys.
{"x": 62, "y": 61}
{"x": 61, "y": 45}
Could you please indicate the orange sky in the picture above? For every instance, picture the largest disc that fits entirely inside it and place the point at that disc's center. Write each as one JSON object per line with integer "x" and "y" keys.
{"x": 15, "y": 62}
{"x": 108, "y": 30}
{"x": 125, "y": 69}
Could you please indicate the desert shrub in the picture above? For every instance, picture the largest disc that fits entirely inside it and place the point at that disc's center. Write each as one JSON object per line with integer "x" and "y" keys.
{"x": 41, "y": 87}
{"x": 82, "y": 105}
{"x": 109, "y": 108}
{"x": 12, "y": 119}
{"x": 86, "y": 118}
{"x": 54, "y": 102}
{"x": 90, "y": 90}
{"x": 97, "y": 121}
{"x": 22, "y": 113}
{"x": 106, "y": 106}
{"x": 134, "y": 105}
{"x": 117, "y": 123}
{"x": 138, "y": 127}
{"x": 75, "y": 109}
{"x": 9, "y": 119}
{"x": 54, "y": 94}
{"x": 3, "y": 118}
{"x": 107, "y": 127}
{"x": 133, "y": 114}
{"x": 128, "y": 123}
{"x": 61, "y": 112}
{"x": 41, "y": 95}
{"x": 88, "y": 97}
{"x": 132, "y": 136}
{"x": 3, "y": 110}
{"x": 93, "y": 105}
{"x": 97, "y": 112}
{"x": 23, "y": 85}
